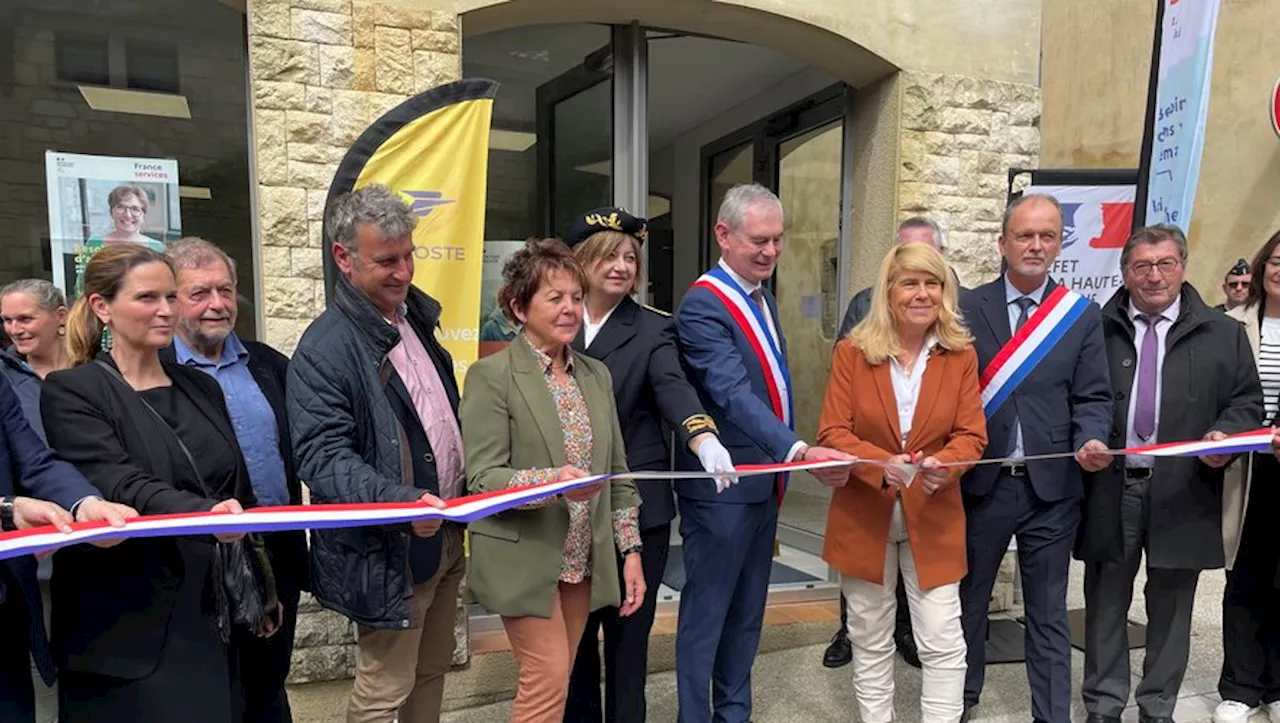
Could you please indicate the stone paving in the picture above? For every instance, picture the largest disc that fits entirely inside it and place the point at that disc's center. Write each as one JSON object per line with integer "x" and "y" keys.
{"x": 791, "y": 684}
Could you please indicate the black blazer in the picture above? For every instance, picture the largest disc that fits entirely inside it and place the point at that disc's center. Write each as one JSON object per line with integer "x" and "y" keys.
{"x": 288, "y": 550}
{"x": 111, "y": 607}
{"x": 638, "y": 345}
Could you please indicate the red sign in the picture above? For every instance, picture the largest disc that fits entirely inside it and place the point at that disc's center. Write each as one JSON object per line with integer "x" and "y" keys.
{"x": 1275, "y": 107}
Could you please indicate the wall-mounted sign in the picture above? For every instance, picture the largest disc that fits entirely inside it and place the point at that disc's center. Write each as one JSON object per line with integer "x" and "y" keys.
{"x": 1275, "y": 107}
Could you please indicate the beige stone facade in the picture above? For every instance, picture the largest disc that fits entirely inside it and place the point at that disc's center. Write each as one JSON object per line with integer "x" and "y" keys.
{"x": 960, "y": 136}
{"x": 927, "y": 140}
{"x": 322, "y": 71}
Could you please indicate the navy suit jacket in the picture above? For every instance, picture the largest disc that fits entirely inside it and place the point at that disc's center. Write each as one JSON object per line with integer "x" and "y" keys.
{"x": 720, "y": 364}
{"x": 1064, "y": 402}
{"x": 28, "y": 468}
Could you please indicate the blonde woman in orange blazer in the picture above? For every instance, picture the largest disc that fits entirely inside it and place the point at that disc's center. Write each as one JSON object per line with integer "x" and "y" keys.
{"x": 904, "y": 390}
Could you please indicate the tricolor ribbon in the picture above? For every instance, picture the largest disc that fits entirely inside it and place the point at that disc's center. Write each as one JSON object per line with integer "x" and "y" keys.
{"x": 475, "y": 507}
{"x": 325, "y": 516}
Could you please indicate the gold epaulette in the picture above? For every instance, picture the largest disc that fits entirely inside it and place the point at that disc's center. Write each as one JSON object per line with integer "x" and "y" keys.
{"x": 698, "y": 423}
{"x": 656, "y": 310}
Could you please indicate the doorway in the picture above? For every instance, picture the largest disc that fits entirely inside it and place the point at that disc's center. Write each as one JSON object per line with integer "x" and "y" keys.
{"x": 711, "y": 113}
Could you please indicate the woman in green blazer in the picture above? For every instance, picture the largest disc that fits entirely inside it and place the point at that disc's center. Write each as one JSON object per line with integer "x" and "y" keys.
{"x": 538, "y": 412}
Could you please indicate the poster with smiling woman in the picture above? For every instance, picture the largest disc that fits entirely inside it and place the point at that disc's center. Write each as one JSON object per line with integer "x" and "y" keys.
{"x": 96, "y": 201}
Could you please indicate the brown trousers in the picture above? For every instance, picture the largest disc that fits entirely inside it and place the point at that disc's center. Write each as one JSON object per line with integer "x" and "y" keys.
{"x": 544, "y": 649}
{"x": 400, "y": 673}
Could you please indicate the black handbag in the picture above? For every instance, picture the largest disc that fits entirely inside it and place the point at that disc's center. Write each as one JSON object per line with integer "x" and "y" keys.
{"x": 247, "y": 593}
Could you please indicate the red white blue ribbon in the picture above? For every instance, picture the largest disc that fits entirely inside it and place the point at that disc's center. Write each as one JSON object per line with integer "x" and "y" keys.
{"x": 475, "y": 507}
{"x": 1029, "y": 346}
{"x": 300, "y": 517}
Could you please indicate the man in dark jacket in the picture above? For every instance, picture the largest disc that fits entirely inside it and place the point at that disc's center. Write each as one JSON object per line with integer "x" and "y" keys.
{"x": 35, "y": 489}
{"x": 373, "y": 408}
{"x": 1179, "y": 371}
{"x": 252, "y": 377}
{"x": 916, "y": 229}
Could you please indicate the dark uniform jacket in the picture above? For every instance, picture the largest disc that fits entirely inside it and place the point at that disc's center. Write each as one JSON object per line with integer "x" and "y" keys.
{"x": 1208, "y": 382}
{"x": 638, "y": 345}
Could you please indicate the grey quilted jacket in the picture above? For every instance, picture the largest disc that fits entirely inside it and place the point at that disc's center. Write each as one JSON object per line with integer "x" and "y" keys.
{"x": 350, "y": 448}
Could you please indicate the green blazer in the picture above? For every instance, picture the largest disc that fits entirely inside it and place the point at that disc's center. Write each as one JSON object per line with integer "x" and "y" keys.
{"x": 509, "y": 423}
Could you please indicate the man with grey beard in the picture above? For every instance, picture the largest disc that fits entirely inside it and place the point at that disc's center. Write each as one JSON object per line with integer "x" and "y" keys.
{"x": 252, "y": 377}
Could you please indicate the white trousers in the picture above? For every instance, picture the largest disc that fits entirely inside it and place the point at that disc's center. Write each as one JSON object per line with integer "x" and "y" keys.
{"x": 935, "y": 621}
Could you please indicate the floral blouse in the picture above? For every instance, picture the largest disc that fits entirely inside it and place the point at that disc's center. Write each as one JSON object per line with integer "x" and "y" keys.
{"x": 576, "y": 422}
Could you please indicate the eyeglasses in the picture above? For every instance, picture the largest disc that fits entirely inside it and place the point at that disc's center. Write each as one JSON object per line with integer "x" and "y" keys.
{"x": 135, "y": 210}
{"x": 1166, "y": 266}
{"x": 1237, "y": 284}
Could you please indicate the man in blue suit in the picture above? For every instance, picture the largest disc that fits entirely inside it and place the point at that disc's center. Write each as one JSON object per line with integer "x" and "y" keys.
{"x": 1062, "y": 405}
{"x": 735, "y": 356}
{"x": 27, "y": 467}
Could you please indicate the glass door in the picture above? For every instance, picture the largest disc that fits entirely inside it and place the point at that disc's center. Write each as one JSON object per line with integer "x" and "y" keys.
{"x": 806, "y": 284}
{"x": 575, "y": 142}
{"x": 798, "y": 153}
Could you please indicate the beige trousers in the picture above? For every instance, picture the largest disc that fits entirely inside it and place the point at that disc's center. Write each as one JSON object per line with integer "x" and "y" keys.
{"x": 400, "y": 673}
{"x": 935, "y": 620}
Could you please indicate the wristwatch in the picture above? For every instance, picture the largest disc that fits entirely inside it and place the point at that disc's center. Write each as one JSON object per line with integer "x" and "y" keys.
{"x": 7, "y": 523}
{"x": 634, "y": 548}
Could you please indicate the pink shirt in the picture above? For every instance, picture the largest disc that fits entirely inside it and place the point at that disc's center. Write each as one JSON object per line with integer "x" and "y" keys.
{"x": 431, "y": 402}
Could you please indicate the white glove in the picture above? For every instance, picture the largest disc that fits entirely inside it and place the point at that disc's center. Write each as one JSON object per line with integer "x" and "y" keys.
{"x": 715, "y": 458}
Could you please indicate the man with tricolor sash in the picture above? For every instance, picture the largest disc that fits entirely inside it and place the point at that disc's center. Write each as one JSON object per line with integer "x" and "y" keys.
{"x": 735, "y": 356}
{"x": 1179, "y": 371}
{"x": 1045, "y": 390}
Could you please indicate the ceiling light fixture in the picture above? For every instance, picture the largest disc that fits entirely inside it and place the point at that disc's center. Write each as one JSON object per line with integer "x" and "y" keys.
{"x": 200, "y": 192}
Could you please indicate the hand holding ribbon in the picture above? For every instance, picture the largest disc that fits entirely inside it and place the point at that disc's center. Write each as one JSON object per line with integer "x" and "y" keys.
{"x": 932, "y": 474}
{"x": 837, "y": 476}
{"x": 715, "y": 458}
{"x": 900, "y": 470}
{"x": 1216, "y": 460}
{"x": 1093, "y": 456}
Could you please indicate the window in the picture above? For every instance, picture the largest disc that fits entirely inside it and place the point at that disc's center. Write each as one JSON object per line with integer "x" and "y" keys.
{"x": 151, "y": 66}
{"x": 82, "y": 58}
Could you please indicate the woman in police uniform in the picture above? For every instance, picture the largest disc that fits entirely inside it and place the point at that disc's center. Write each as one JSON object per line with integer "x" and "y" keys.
{"x": 638, "y": 344}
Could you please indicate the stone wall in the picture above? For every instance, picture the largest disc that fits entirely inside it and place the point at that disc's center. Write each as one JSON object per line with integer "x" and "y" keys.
{"x": 321, "y": 72}
{"x": 959, "y": 138}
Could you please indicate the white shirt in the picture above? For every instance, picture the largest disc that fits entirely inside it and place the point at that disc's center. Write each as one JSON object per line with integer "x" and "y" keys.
{"x": 591, "y": 328}
{"x": 1269, "y": 367}
{"x": 750, "y": 287}
{"x": 1163, "y": 323}
{"x": 1011, "y": 294}
{"x": 906, "y": 386}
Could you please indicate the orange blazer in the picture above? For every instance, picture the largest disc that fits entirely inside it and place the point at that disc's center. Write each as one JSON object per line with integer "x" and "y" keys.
{"x": 860, "y": 416}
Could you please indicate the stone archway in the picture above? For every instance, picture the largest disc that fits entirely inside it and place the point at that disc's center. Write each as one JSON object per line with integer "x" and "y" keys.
{"x": 855, "y": 55}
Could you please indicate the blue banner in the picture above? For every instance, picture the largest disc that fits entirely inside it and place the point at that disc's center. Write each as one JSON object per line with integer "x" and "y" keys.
{"x": 1181, "y": 108}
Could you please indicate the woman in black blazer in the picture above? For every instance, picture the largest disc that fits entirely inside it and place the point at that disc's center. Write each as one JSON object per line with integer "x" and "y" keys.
{"x": 638, "y": 344}
{"x": 135, "y": 627}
